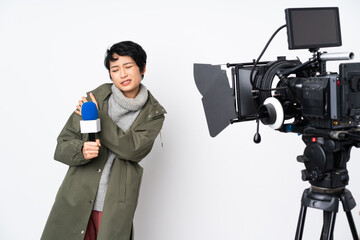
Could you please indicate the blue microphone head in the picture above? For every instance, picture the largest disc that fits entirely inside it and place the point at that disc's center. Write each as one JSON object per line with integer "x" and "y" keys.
{"x": 89, "y": 111}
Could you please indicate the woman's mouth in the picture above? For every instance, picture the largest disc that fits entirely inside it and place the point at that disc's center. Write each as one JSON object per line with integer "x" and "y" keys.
{"x": 126, "y": 82}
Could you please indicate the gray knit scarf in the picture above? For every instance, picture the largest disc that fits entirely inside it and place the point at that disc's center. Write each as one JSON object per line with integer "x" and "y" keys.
{"x": 123, "y": 111}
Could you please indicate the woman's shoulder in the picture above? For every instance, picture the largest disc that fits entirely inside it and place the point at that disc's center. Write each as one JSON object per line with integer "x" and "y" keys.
{"x": 101, "y": 92}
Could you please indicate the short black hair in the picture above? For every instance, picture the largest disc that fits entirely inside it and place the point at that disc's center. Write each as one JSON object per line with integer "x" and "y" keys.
{"x": 126, "y": 48}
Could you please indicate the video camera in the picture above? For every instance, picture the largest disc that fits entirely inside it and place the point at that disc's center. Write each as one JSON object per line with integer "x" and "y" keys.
{"x": 291, "y": 96}
{"x": 304, "y": 95}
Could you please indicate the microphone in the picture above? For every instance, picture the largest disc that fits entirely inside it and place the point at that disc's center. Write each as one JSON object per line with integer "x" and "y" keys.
{"x": 90, "y": 123}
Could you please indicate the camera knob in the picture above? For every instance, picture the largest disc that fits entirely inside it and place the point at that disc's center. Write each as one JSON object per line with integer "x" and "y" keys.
{"x": 302, "y": 159}
{"x": 305, "y": 175}
{"x": 345, "y": 179}
{"x": 316, "y": 175}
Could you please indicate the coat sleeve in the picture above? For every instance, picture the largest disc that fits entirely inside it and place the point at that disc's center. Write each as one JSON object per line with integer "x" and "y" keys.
{"x": 69, "y": 143}
{"x": 135, "y": 143}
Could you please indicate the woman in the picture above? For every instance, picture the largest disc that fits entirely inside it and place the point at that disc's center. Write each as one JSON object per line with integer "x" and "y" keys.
{"x": 99, "y": 194}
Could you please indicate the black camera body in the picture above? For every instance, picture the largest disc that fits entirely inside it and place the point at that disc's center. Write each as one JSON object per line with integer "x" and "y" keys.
{"x": 326, "y": 101}
{"x": 330, "y": 101}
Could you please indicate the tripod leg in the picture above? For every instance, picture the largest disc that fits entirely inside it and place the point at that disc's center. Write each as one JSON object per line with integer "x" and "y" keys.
{"x": 301, "y": 222}
{"x": 352, "y": 225}
{"x": 328, "y": 226}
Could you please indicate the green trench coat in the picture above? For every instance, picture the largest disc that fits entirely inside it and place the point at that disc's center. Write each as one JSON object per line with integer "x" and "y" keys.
{"x": 74, "y": 201}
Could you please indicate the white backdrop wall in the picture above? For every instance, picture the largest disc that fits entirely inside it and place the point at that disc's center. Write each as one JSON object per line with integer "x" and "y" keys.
{"x": 195, "y": 187}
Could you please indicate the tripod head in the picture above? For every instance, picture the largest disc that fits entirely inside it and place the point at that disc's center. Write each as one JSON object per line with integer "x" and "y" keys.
{"x": 326, "y": 155}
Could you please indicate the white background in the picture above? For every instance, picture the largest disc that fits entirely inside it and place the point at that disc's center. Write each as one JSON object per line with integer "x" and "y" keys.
{"x": 195, "y": 187}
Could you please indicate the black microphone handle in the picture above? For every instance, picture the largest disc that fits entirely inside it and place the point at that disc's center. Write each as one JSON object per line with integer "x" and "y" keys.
{"x": 92, "y": 137}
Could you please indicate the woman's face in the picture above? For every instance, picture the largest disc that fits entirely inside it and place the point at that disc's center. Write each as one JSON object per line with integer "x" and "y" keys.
{"x": 126, "y": 75}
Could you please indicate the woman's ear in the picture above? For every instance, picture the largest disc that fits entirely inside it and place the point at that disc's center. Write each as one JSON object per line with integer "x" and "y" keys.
{"x": 143, "y": 72}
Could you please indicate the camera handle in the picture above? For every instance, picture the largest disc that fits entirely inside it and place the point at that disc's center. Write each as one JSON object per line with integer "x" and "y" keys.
{"x": 318, "y": 57}
{"x": 257, "y": 136}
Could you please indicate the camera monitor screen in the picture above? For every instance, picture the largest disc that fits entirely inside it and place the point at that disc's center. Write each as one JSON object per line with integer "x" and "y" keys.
{"x": 312, "y": 28}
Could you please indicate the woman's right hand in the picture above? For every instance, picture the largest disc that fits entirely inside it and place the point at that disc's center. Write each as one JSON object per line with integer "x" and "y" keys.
{"x": 91, "y": 149}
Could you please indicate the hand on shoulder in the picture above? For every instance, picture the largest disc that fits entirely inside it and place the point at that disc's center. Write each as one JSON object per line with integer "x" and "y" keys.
{"x": 82, "y": 101}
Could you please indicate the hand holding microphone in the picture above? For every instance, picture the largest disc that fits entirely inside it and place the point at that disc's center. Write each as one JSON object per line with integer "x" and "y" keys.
{"x": 90, "y": 124}
{"x": 91, "y": 149}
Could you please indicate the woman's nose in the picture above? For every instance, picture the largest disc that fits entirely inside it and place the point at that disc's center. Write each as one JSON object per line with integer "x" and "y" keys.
{"x": 123, "y": 73}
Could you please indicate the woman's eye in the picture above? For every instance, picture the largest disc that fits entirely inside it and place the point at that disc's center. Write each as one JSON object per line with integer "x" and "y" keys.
{"x": 128, "y": 66}
{"x": 114, "y": 70}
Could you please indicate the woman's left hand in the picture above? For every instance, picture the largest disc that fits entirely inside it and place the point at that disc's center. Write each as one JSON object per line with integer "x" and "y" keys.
{"x": 83, "y": 100}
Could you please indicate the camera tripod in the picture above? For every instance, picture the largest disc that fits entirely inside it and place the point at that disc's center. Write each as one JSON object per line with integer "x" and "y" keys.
{"x": 325, "y": 161}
